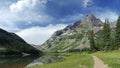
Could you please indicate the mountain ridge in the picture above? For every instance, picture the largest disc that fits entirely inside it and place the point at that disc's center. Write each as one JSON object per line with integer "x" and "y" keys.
{"x": 73, "y": 36}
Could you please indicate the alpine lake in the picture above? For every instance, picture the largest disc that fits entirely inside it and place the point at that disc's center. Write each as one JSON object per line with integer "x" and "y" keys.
{"x": 28, "y": 61}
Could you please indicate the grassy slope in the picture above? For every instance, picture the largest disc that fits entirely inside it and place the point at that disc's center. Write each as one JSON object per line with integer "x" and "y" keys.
{"x": 76, "y": 60}
{"x": 65, "y": 44}
{"x": 110, "y": 58}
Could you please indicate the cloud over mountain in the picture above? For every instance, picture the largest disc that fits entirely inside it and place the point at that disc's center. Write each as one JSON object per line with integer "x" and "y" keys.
{"x": 19, "y": 15}
{"x": 38, "y": 35}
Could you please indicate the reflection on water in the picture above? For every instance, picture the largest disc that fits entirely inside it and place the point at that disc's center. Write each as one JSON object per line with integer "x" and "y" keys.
{"x": 16, "y": 62}
{"x": 21, "y": 62}
{"x": 46, "y": 60}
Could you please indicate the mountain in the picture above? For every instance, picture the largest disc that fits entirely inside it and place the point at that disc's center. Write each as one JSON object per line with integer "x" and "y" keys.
{"x": 35, "y": 46}
{"x": 11, "y": 44}
{"x": 73, "y": 37}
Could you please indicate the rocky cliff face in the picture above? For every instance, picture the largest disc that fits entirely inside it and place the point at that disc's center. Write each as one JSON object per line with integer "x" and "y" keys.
{"x": 73, "y": 36}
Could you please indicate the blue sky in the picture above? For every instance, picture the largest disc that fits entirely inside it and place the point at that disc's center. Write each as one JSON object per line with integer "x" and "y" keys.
{"x": 36, "y": 20}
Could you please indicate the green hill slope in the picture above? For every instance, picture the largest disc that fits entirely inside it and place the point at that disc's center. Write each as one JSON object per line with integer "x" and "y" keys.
{"x": 11, "y": 44}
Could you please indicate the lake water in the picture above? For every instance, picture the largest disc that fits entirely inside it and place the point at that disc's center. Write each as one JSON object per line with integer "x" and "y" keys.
{"x": 27, "y": 61}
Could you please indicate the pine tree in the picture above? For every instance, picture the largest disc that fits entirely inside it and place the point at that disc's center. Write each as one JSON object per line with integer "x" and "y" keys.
{"x": 106, "y": 36}
{"x": 117, "y": 36}
{"x": 92, "y": 42}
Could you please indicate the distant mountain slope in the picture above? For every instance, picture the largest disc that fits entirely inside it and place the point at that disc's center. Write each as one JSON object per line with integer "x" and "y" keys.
{"x": 11, "y": 44}
{"x": 73, "y": 36}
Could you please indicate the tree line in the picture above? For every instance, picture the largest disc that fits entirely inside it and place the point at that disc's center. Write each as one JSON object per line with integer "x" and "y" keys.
{"x": 106, "y": 39}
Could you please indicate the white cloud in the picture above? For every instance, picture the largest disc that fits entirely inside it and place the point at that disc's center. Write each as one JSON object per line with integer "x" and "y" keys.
{"x": 23, "y": 12}
{"x": 111, "y": 15}
{"x": 38, "y": 35}
{"x": 23, "y": 5}
{"x": 7, "y": 21}
{"x": 87, "y": 3}
{"x": 30, "y": 10}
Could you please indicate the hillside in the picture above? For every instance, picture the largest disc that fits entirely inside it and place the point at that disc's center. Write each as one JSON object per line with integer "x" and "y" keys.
{"x": 73, "y": 37}
{"x": 11, "y": 44}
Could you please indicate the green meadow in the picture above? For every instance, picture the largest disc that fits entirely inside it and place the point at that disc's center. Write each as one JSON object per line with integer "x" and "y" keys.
{"x": 112, "y": 59}
{"x": 85, "y": 60}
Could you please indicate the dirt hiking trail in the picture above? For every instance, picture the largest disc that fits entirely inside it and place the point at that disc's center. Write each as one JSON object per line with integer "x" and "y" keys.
{"x": 99, "y": 63}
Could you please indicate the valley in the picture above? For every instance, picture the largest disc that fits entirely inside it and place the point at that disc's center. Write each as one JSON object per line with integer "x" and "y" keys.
{"x": 59, "y": 34}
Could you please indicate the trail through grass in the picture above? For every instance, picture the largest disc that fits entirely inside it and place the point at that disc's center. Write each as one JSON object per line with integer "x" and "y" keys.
{"x": 99, "y": 63}
{"x": 110, "y": 58}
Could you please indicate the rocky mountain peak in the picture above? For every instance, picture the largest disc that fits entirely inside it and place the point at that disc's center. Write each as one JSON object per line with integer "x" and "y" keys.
{"x": 92, "y": 21}
{"x": 76, "y": 32}
{"x": 90, "y": 16}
